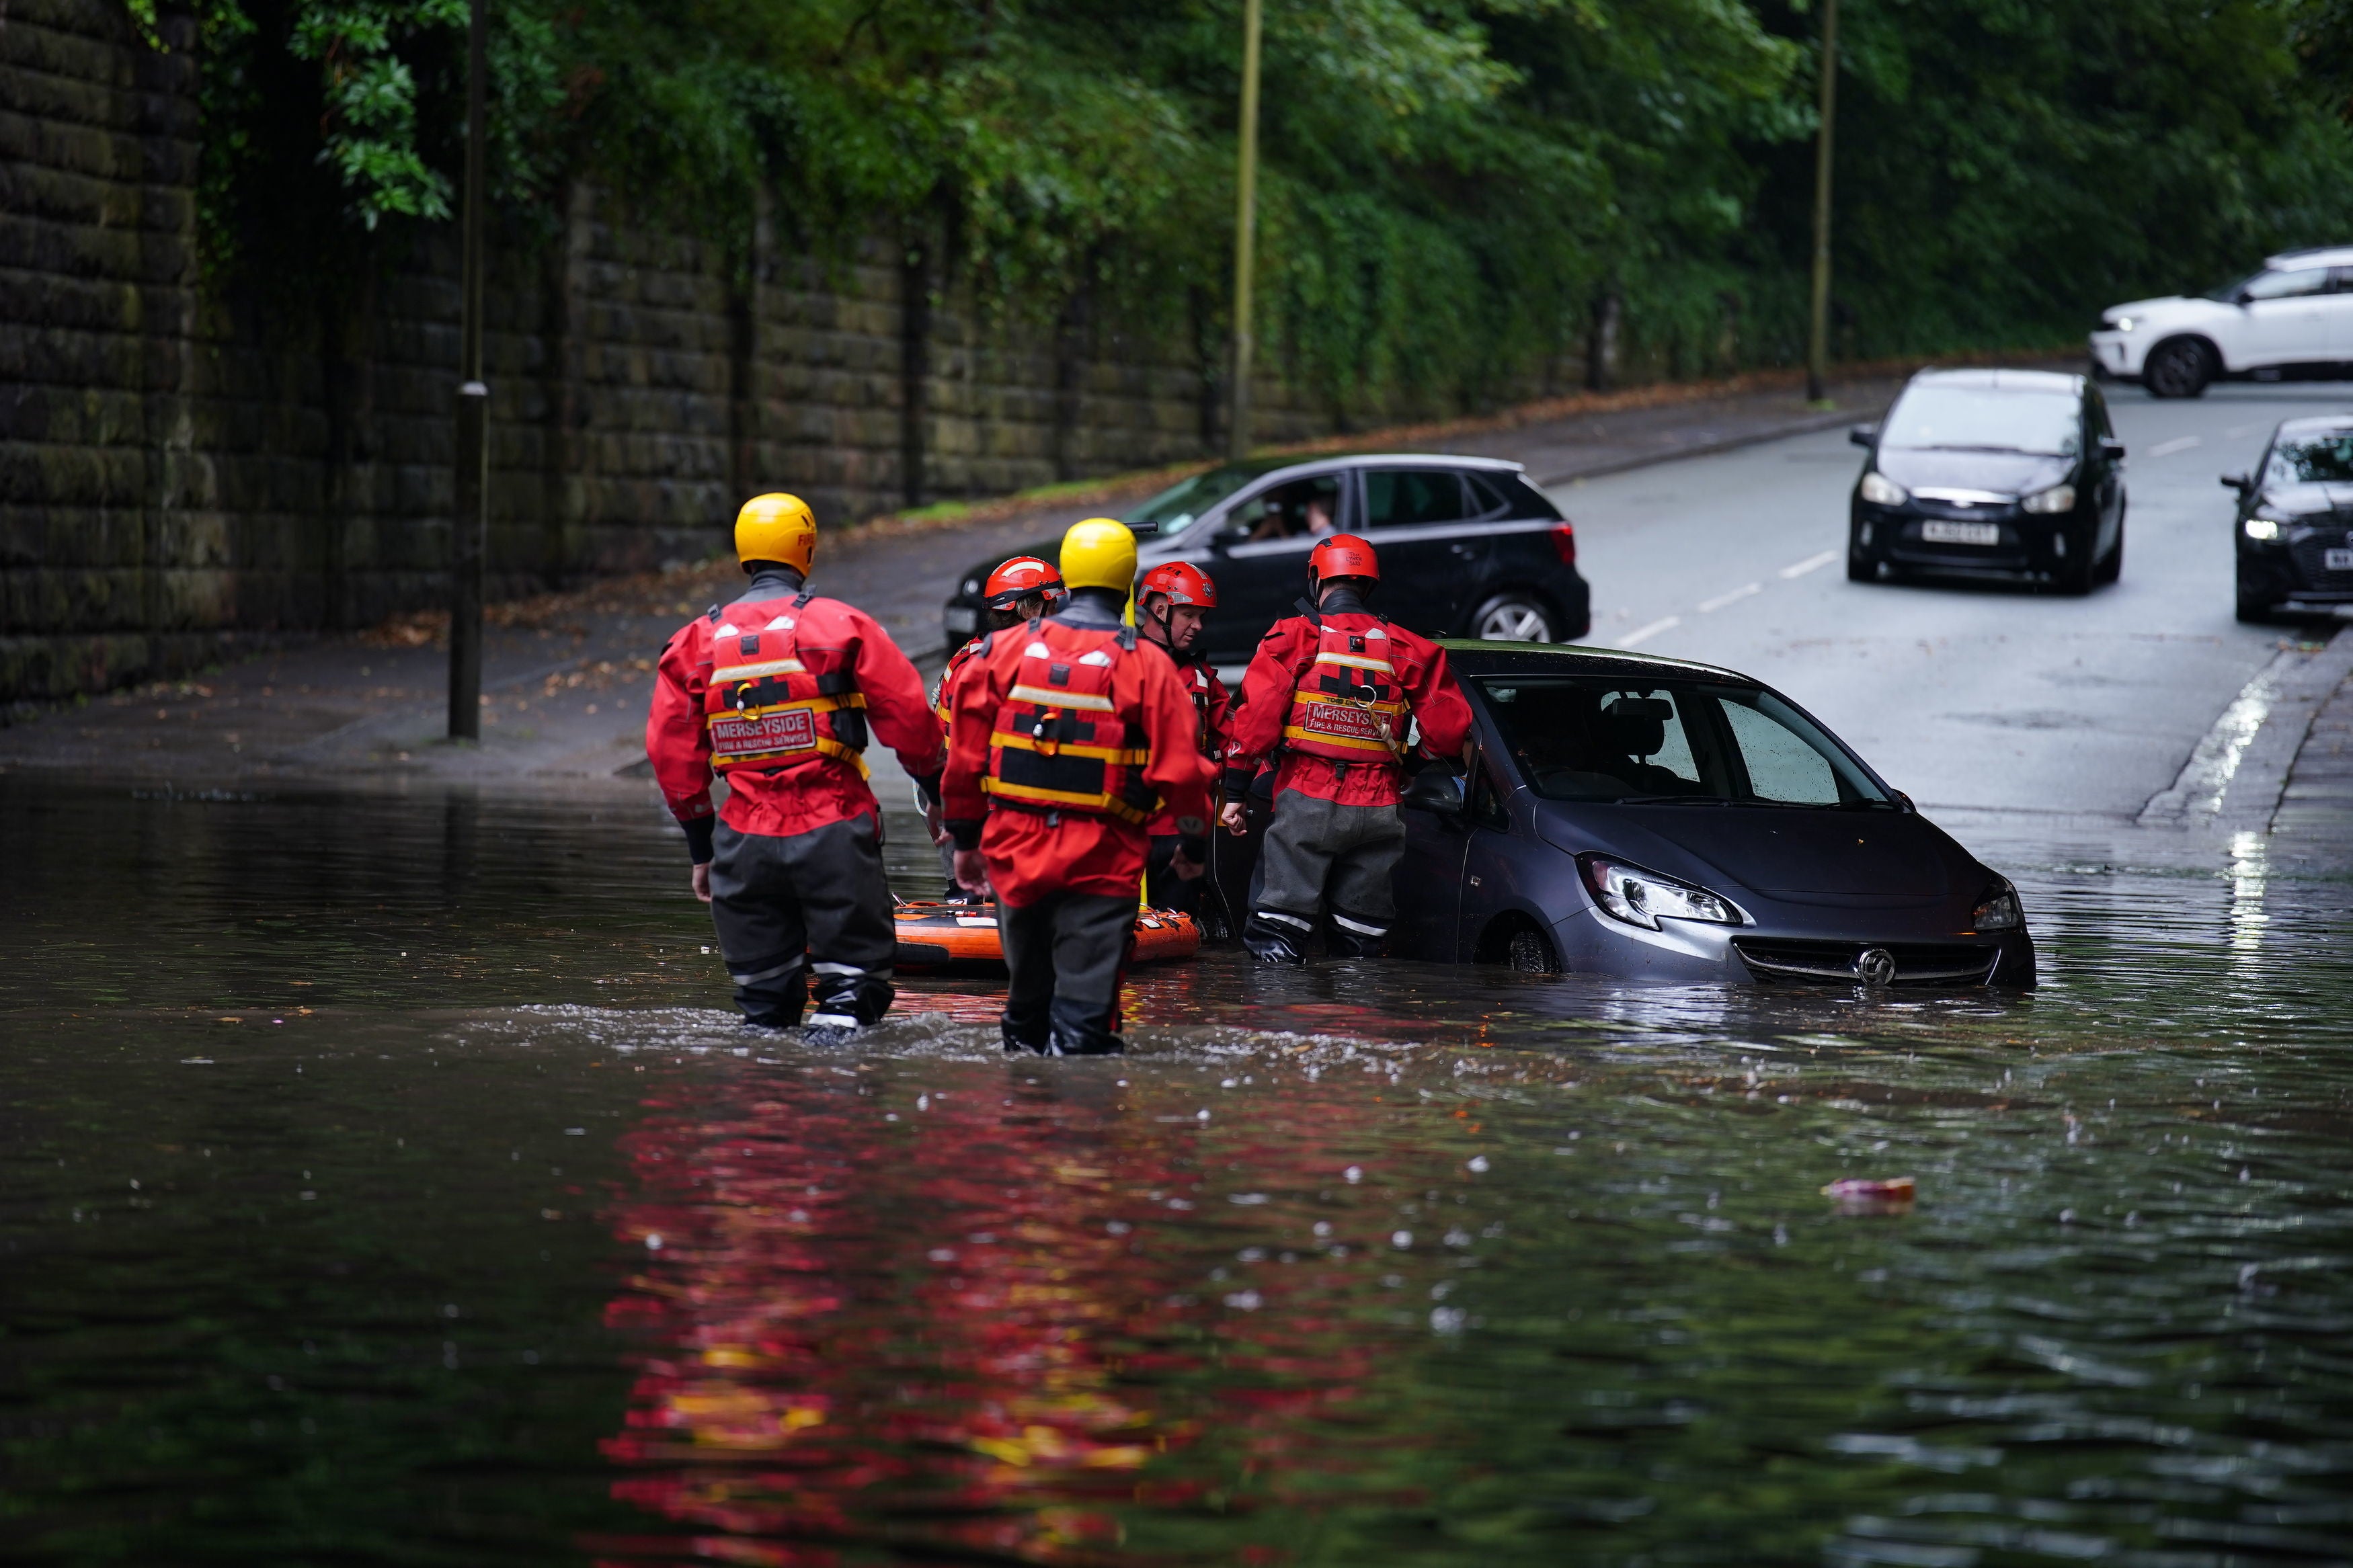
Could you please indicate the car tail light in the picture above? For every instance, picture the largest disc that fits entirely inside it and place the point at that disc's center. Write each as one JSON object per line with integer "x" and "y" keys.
{"x": 1564, "y": 543}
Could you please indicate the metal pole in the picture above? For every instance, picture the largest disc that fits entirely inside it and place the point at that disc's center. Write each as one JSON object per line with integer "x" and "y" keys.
{"x": 469, "y": 519}
{"x": 1245, "y": 225}
{"x": 1818, "y": 337}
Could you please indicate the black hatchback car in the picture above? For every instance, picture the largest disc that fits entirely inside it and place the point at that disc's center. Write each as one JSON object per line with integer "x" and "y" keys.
{"x": 1468, "y": 546}
{"x": 1629, "y": 815}
{"x": 1991, "y": 473}
{"x": 2294, "y": 525}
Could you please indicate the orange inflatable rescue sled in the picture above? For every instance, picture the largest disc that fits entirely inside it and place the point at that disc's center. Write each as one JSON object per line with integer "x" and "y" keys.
{"x": 935, "y": 933}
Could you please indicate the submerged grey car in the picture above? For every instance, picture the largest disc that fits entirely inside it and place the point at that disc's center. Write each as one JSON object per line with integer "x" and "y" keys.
{"x": 1630, "y": 815}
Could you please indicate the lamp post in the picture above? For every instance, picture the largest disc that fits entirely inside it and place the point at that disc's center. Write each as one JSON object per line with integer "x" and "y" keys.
{"x": 469, "y": 521}
{"x": 1245, "y": 225}
{"x": 1817, "y": 335}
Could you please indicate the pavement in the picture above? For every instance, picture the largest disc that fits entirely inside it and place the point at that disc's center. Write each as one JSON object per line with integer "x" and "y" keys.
{"x": 2141, "y": 721}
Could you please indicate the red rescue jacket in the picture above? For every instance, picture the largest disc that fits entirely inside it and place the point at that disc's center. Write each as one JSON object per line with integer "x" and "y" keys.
{"x": 779, "y": 691}
{"x": 1066, "y": 739}
{"x": 1328, "y": 696}
{"x": 1212, "y": 708}
{"x": 943, "y": 696}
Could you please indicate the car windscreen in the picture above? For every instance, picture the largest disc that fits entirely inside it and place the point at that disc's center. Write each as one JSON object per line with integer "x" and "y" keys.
{"x": 1985, "y": 419}
{"x": 1176, "y": 509}
{"x": 1606, "y": 739}
{"x": 2312, "y": 460}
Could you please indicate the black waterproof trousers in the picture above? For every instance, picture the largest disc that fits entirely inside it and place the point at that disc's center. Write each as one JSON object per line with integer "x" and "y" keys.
{"x": 1068, "y": 953}
{"x": 809, "y": 907}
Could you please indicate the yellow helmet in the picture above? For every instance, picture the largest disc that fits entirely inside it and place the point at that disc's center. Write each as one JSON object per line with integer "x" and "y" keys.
{"x": 1099, "y": 554}
{"x": 776, "y": 527}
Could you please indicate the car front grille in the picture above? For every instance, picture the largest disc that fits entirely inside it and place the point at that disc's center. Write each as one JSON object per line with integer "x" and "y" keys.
{"x": 1917, "y": 963}
{"x": 2311, "y": 556}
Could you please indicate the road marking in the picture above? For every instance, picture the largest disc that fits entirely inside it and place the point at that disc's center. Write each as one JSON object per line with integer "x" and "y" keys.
{"x": 1709, "y": 607}
{"x": 1644, "y": 634}
{"x": 2178, "y": 444}
{"x": 1809, "y": 563}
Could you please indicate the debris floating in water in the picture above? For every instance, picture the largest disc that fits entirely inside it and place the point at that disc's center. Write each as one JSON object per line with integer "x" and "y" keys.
{"x": 1868, "y": 1191}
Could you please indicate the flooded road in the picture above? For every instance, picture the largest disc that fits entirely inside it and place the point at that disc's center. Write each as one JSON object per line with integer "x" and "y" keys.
{"x": 385, "y": 1182}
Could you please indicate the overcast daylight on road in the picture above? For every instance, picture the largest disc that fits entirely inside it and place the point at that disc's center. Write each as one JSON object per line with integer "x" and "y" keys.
{"x": 1290, "y": 783}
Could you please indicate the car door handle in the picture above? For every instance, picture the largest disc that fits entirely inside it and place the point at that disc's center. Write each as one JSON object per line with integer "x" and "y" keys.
{"x": 1461, "y": 549}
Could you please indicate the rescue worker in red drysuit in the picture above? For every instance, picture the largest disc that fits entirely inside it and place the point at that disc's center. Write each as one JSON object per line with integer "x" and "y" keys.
{"x": 1067, "y": 739}
{"x": 1172, "y": 600}
{"x": 1021, "y": 589}
{"x": 1329, "y": 695}
{"x": 778, "y": 693}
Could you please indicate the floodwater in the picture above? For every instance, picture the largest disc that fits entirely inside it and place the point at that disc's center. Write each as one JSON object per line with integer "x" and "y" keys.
{"x": 386, "y": 1182}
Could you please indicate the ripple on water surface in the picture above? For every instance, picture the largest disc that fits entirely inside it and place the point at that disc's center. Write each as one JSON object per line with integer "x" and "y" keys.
{"x": 1359, "y": 1266}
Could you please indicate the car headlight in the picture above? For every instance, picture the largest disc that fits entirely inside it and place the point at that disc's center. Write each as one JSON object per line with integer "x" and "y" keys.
{"x": 2122, "y": 324}
{"x": 2058, "y": 498}
{"x": 1998, "y": 910}
{"x": 2263, "y": 528}
{"x": 1642, "y": 898}
{"x": 1881, "y": 490}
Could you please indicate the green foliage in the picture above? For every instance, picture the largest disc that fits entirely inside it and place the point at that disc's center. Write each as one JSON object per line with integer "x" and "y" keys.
{"x": 1448, "y": 187}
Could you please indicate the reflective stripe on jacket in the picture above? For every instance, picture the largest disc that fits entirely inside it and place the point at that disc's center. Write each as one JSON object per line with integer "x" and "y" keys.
{"x": 1058, "y": 742}
{"x": 773, "y": 704}
{"x": 1347, "y": 704}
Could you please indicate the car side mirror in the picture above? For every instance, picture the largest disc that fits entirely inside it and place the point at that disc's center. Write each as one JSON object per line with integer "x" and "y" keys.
{"x": 1437, "y": 789}
{"x": 2239, "y": 482}
{"x": 1144, "y": 529}
{"x": 1227, "y": 535}
{"x": 2112, "y": 449}
{"x": 1863, "y": 434}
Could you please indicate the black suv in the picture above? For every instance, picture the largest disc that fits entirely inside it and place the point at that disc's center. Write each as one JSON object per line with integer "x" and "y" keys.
{"x": 2294, "y": 525}
{"x": 2003, "y": 473}
{"x": 1468, "y": 546}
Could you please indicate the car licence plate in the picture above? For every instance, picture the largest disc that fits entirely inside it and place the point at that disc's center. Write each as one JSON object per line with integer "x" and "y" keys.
{"x": 1961, "y": 532}
{"x": 961, "y": 619}
{"x": 2337, "y": 559}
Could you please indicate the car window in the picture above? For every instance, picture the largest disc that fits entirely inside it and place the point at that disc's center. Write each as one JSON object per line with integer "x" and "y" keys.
{"x": 2099, "y": 407}
{"x": 1985, "y": 419}
{"x": 1598, "y": 739}
{"x": 1404, "y": 498}
{"x": 1301, "y": 509}
{"x": 2287, "y": 285}
{"x": 2340, "y": 280}
{"x": 1487, "y": 499}
{"x": 1781, "y": 767}
{"x": 2312, "y": 460}
{"x": 1177, "y": 507}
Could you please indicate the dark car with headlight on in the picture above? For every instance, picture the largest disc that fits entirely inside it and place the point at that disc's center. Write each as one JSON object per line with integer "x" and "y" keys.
{"x": 2012, "y": 474}
{"x": 1651, "y": 818}
{"x": 2294, "y": 524}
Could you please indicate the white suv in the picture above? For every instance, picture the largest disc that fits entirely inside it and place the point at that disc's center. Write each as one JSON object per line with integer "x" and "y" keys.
{"x": 2295, "y": 315}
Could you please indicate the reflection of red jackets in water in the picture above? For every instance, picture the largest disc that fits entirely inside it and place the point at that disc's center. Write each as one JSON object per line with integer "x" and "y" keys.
{"x": 1283, "y": 672}
{"x": 812, "y": 794}
{"x": 1214, "y": 707}
{"x": 1033, "y": 850}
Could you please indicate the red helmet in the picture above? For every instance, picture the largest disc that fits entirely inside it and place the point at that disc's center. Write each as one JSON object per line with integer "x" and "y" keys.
{"x": 1184, "y": 582}
{"x": 1017, "y": 579}
{"x": 1342, "y": 555}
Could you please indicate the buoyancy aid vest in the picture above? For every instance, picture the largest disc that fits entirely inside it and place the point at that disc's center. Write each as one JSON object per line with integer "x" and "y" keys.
{"x": 956, "y": 662}
{"x": 1057, "y": 741}
{"x": 772, "y": 704}
{"x": 1347, "y": 705}
{"x": 1195, "y": 675}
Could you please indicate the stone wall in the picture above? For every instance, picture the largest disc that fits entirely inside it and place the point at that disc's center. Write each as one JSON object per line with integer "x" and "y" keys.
{"x": 187, "y": 468}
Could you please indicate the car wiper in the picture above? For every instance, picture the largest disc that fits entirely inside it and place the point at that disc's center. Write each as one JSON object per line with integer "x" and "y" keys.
{"x": 1670, "y": 800}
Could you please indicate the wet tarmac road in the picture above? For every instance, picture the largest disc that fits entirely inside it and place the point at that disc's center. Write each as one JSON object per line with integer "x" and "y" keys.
{"x": 394, "y": 1187}
{"x": 1984, "y": 698}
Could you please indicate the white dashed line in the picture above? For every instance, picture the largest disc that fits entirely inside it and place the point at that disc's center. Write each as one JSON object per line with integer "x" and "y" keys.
{"x": 1709, "y": 607}
{"x": 1644, "y": 634}
{"x": 1809, "y": 563}
{"x": 2178, "y": 444}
